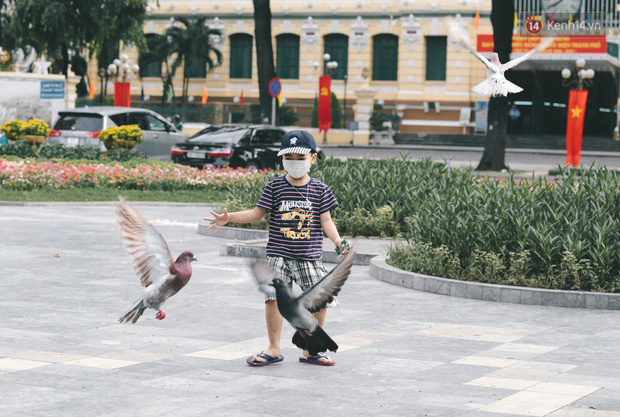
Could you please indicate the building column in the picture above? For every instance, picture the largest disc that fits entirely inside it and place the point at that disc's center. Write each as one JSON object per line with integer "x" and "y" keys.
{"x": 363, "y": 110}
{"x": 72, "y": 81}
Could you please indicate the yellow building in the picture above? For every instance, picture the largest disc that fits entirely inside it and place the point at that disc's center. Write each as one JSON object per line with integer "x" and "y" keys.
{"x": 397, "y": 53}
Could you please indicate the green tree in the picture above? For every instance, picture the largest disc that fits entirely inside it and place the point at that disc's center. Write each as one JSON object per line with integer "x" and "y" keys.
{"x": 157, "y": 51}
{"x": 493, "y": 158}
{"x": 191, "y": 45}
{"x": 57, "y": 26}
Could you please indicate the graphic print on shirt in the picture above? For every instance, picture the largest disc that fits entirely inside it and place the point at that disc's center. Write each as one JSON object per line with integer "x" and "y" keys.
{"x": 296, "y": 219}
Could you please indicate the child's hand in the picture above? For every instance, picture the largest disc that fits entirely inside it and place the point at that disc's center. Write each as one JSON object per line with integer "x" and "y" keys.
{"x": 343, "y": 248}
{"x": 219, "y": 220}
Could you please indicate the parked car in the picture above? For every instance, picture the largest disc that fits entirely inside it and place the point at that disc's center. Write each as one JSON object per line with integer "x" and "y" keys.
{"x": 82, "y": 127}
{"x": 239, "y": 146}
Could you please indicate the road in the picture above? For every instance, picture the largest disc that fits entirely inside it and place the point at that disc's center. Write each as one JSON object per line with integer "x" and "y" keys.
{"x": 517, "y": 159}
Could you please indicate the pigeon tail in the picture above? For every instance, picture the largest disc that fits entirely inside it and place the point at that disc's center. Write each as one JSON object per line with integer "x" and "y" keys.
{"x": 316, "y": 343}
{"x": 496, "y": 87}
{"x": 134, "y": 313}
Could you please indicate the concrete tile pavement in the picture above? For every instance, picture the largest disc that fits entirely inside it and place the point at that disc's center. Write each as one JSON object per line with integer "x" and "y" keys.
{"x": 65, "y": 280}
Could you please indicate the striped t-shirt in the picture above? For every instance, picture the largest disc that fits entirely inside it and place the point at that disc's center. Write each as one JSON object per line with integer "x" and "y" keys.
{"x": 294, "y": 224}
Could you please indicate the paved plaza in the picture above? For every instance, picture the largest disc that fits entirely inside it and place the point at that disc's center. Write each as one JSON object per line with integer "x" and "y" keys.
{"x": 65, "y": 279}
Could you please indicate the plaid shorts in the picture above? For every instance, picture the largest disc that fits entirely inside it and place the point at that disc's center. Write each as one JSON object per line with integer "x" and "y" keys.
{"x": 303, "y": 273}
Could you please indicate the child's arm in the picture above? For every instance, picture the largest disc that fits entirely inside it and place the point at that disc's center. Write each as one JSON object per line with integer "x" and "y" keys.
{"x": 329, "y": 227}
{"x": 246, "y": 216}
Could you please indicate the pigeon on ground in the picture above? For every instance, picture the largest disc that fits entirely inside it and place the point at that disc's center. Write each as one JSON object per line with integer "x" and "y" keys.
{"x": 153, "y": 262}
{"x": 298, "y": 310}
{"x": 496, "y": 83}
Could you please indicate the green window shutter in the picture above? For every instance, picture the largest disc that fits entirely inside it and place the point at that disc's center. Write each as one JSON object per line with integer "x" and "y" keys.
{"x": 241, "y": 55}
{"x": 337, "y": 46}
{"x": 385, "y": 57}
{"x": 198, "y": 68}
{"x": 436, "y": 47}
{"x": 152, "y": 70}
{"x": 287, "y": 61}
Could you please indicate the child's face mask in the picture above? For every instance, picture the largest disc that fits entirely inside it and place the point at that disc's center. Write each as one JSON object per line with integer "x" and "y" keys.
{"x": 296, "y": 168}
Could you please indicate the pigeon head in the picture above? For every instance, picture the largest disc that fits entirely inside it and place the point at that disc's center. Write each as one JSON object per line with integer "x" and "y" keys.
{"x": 186, "y": 256}
{"x": 277, "y": 283}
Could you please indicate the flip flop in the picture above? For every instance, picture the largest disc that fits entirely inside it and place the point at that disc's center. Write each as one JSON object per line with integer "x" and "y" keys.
{"x": 268, "y": 359}
{"x": 316, "y": 360}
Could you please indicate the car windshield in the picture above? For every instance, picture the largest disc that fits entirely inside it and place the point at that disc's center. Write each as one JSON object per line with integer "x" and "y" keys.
{"x": 231, "y": 134}
{"x": 85, "y": 122}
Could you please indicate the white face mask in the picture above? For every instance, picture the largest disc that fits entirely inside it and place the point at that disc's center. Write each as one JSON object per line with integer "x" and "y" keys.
{"x": 296, "y": 168}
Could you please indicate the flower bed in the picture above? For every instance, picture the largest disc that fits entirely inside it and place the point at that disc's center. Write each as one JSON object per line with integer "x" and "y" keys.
{"x": 30, "y": 175}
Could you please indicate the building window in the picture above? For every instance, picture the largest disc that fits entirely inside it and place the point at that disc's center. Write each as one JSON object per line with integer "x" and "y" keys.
{"x": 240, "y": 55}
{"x": 337, "y": 46}
{"x": 436, "y": 58}
{"x": 152, "y": 70}
{"x": 198, "y": 68}
{"x": 385, "y": 57}
{"x": 287, "y": 62}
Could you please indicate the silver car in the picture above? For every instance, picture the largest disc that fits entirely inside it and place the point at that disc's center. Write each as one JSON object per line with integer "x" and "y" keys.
{"x": 82, "y": 127}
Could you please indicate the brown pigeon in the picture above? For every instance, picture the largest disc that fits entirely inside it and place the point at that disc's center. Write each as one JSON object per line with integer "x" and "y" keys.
{"x": 153, "y": 262}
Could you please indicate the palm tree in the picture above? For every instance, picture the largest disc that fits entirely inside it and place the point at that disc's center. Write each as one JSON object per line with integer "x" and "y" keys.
{"x": 191, "y": 45}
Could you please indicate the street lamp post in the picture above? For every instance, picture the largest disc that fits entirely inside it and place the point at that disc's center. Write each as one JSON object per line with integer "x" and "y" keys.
{"x": 124, "y": 72}
{"x": 579, "y": 77}
{"x": 101, "y": 73}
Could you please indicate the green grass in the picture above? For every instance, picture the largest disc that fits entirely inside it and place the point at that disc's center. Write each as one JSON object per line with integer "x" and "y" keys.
{"x": 108, "y": 194}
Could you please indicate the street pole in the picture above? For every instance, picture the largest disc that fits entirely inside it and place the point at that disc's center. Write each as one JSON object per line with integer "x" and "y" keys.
{"x": 344, "y": 114}
{"x": 273, "y": 111}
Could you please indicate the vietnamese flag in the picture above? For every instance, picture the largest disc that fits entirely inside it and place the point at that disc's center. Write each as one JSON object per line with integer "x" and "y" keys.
{"x": 91, "y": 90}
{"x": 325, "y": 103}
{"x": 574, "y": 125}
{"x": 241, "y": 98}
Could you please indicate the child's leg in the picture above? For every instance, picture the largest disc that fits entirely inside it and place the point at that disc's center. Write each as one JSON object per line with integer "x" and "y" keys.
{"x": 274, "y": 330}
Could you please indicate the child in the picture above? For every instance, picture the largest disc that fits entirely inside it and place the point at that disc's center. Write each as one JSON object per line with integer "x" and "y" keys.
{"x": 300, "y": 212}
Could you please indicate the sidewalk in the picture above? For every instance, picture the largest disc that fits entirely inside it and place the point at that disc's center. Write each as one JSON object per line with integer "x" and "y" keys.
{"x": 66, "y": 279}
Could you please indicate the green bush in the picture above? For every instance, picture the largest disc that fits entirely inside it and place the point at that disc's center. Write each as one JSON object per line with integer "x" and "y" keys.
{"x": 23, "y": 150}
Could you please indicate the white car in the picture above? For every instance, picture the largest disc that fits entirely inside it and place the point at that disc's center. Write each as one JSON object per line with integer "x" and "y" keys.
{"x": 82, "y": 126}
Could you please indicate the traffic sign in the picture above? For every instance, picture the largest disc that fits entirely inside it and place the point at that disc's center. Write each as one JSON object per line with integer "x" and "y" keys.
{"x": 275, "y": 87}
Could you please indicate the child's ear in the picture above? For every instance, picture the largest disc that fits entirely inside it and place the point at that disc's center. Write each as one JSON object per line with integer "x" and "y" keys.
{"x": 314, "y": 158}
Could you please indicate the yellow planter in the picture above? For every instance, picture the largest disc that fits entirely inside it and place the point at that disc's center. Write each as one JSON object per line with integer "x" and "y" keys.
{"x": 35, "y": 139}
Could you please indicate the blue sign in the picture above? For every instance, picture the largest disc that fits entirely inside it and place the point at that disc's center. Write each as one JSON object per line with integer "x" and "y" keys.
{"x": 354, "y": 125}
{"x": 52, "y": 89}
{"x": 275, "y": 87}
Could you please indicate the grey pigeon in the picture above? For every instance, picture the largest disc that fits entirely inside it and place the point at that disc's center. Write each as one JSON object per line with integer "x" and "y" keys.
{"x": 153, "y": 262}
{"x": 298, "y": 310}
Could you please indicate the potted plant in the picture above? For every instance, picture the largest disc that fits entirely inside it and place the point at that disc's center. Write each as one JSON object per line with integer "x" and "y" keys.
{"x": 13, "y": 129}
{"x": 35, "y": 131}
{"x": 122, "y": 136}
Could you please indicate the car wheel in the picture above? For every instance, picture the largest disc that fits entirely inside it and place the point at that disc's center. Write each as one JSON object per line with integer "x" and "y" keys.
{"x": 252, "y": 166}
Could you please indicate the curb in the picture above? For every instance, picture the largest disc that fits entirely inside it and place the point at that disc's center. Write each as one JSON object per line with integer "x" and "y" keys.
{"x": 380, "y": 270}
{"x": 252, "y": 243}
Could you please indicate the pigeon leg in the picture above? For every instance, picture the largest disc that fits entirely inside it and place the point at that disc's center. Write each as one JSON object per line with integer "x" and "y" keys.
{"x": 160, "y": 315}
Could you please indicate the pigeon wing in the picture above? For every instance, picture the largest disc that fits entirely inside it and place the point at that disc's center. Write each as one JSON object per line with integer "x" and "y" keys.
{"x": 542, "y": 45}
{"x": 460, "y": 36}
{"x": 315, "y": 298}
{"x": 149, "y": 252}
{"x": 263, "y": 274}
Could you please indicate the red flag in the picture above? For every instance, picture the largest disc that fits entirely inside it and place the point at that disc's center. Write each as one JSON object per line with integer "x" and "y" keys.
{"x": 241, "y": 98}
{"x": 205, "y": 95}
{"x": 91, "y": 90}
{"x": 325, "y": 103}
{"x": 577, "y": 100}
{"x": 477, "y": 20}
{"x": 122, "y": 95}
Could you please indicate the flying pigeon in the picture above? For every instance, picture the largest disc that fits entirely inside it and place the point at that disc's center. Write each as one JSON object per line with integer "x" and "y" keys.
{"x": 298, "y": 310}
{"x": 153, "y": 262}
{"x": 496, "y": 83}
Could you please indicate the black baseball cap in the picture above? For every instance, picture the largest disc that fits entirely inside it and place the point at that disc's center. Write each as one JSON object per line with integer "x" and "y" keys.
{"x": 297, "y": 141}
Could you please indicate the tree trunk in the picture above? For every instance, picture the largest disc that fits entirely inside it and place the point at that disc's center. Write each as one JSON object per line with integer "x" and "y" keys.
{"x": 264, "y": 57}
{"x": 493, "y": 158}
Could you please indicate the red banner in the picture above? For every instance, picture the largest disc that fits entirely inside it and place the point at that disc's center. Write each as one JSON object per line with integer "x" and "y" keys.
{"x": 122, "y": 96}
{"x": 562, "y": 44}
{"x": 325, "y": 103}
{"x": 577, "y": 100}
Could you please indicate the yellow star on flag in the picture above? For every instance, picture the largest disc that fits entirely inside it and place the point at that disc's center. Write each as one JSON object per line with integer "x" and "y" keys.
{"x": 576, "y": 112}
